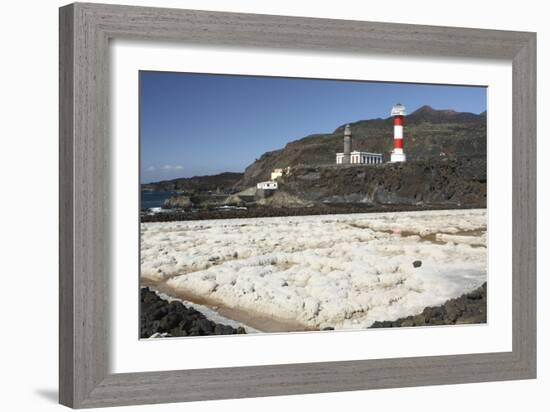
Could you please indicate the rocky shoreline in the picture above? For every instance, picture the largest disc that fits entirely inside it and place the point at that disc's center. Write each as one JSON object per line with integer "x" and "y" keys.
{"x": 160, "y": 318}
{"x": 467, "y": 309}
{"x": 263, "y": 211}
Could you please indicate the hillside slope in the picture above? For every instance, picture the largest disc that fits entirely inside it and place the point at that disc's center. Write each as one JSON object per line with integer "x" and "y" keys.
{"x": 429, "y": 134}
{"x": 197, "y": 184}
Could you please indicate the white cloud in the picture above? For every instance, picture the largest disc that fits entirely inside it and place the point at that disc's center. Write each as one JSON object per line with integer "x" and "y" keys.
{"x": 170, "y": 167}
{"x": 164, "y": 168}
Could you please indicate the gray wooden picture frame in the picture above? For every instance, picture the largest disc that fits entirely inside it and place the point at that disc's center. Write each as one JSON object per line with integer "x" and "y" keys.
{"x": 85, "y": 32}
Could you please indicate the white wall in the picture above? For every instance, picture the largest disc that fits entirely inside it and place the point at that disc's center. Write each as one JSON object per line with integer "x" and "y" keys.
{"x": 28, "y": 100}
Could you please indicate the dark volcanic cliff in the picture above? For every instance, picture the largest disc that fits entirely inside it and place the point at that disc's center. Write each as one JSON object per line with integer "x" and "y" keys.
{"x": 459, "y": 182}
{"x": 429, "y": 134}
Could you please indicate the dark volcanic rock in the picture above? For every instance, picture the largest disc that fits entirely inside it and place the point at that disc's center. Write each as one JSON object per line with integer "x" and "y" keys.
{"x": 169, "y": 321}
{"x": 453, "y": 183}
{"x": 178, "y": 202}
{"x": 205, "y": 326}
{"x": 158, "y": 312}
{"x": 174, "y": 318}
{"x": 468, "y": 308}
{"x": 319, "y": 209}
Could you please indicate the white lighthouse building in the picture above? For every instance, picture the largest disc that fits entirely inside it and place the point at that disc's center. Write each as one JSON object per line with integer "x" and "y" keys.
{"x": 356, "y": 157}
{"x": 398, "y": 112}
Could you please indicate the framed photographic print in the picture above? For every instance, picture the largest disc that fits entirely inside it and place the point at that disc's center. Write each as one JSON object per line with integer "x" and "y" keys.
{"x": 259, "y": 205}
{"x": 331, "y": 231}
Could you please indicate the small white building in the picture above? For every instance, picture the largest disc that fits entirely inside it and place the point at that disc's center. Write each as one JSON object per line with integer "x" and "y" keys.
{"x": 268, "y": 185}
{"x": 357, "y": 157}
{"x": 279, "y": 172}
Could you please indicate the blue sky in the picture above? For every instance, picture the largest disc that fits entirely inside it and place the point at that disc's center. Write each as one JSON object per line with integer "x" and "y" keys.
{"x": 199, "y": 124}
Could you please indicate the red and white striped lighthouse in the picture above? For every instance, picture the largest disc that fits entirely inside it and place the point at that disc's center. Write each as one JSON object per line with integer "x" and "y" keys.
{"x": 398, "y": 112}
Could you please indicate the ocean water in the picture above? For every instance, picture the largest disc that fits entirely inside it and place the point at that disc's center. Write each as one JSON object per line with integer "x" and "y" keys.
{"x": 153, "y": 199}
